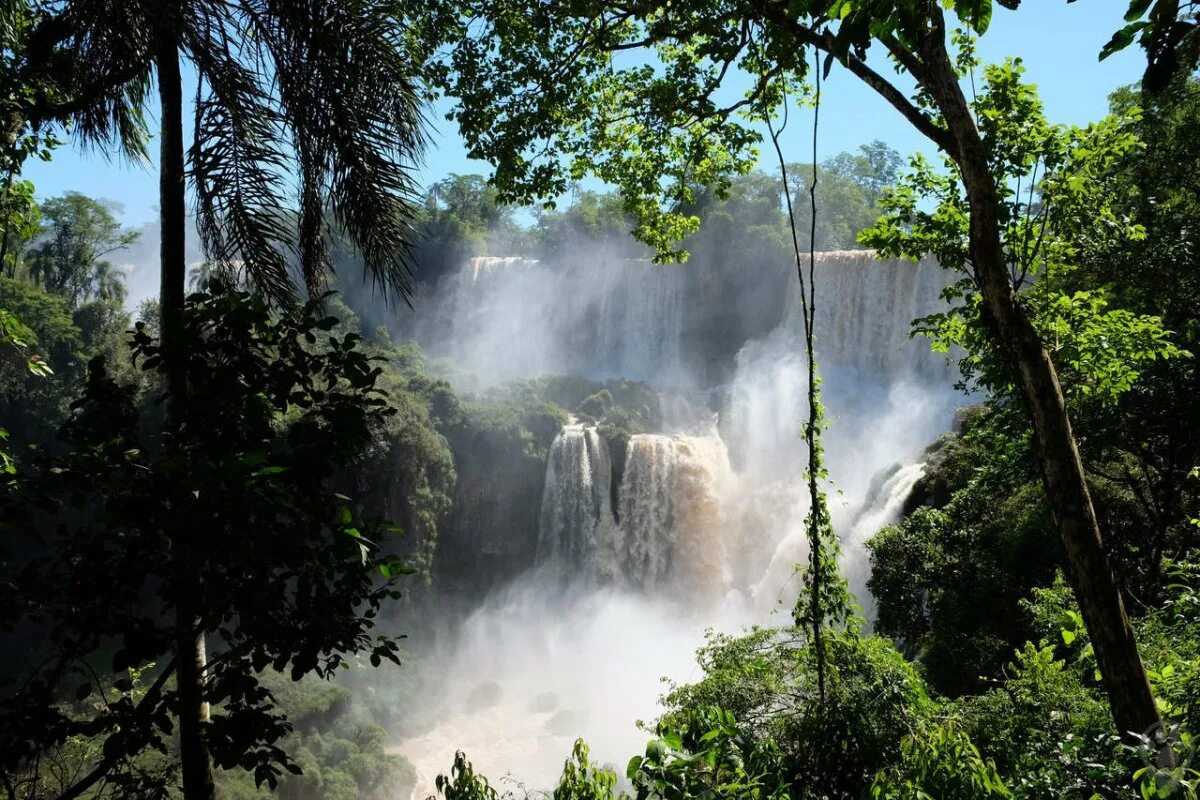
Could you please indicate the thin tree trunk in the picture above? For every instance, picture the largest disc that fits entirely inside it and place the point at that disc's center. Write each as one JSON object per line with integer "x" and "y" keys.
{"x": 1096, "y": 587}
{"x": 173, "y": 273}
{"x": 189, "y": 644}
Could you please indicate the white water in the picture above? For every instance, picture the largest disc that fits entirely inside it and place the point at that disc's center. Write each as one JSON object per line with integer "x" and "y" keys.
{"x": 575, "y": 537}
{"x": 709, "y": 519}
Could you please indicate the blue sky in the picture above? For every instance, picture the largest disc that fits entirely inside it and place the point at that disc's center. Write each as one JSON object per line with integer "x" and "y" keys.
{"x": 1058, "y": 42}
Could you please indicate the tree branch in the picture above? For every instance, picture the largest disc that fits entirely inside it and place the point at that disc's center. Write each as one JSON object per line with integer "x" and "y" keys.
{"x": 109, "y": 761}
{"x": 824, "y": 41}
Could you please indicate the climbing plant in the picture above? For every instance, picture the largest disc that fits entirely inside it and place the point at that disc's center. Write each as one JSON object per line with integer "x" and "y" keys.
{"x": 824, "y": 597}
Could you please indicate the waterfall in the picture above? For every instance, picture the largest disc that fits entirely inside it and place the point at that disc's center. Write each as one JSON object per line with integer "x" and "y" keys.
{"x": 647, "y": 502}
{"x": 576, "y": 521}
{"x": 672, "y": 515}
{"x": 865, "y": 310}
{"x": 711, "y": 512}
{"x": 504, "y": 317}
{"x": 881, "y": 508}
{"x": 601, "y": 315}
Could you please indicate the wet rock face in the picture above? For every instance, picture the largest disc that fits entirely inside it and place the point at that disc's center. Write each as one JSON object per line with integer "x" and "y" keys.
{"x": 491, "y": 534}
{"x": 485, "y": 695}
{"x": 544, "y": 703}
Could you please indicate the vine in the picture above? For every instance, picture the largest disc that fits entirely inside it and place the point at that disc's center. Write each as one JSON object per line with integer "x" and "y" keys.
{"x": 824, "y": 597}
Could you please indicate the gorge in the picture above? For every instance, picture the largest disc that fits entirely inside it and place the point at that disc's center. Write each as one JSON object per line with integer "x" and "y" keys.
{"x": 687, "y": 518}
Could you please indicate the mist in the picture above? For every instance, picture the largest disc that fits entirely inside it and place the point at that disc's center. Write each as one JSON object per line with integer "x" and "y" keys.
{"x": 140, "y": 262}
{"x": 705, "y": 526}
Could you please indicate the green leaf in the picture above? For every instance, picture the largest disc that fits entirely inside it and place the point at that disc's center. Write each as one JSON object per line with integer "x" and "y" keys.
{"x": 977, "y": 13}
{"x": 1122, "y": 39}
{"x": 1137, "y": 9}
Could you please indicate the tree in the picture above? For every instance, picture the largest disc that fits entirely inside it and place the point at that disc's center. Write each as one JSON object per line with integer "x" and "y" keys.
{"x": 324, "y": 92}
{"x": 1147, "y": 439}
{"x": 542, "y": 97}
{"x": 282, "y": 571}
{"x": 14, "y": 338}
{"x": 47, "y": 328}
{"x": 70, "y": 261}
{"x": 848, "y": 188}
{"x": 461, "y": 219}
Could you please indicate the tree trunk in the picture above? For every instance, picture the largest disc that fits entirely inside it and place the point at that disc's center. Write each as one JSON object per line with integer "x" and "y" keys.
{"x": 1096, "y": 587}
{"x": 189, "y": 645}
{"x": 173, "y": 274}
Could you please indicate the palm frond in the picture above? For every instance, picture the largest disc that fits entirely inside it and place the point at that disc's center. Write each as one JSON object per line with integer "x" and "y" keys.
{"x": 355, "y": 117}
{"x": 237, "y": 166}
{"x": 308, "y": 125}
{"x": 96, "y": 57}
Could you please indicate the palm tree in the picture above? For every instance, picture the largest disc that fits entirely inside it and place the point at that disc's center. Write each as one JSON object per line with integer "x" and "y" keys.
{"x": 307, "y": 125}
{"x": 307, "y": 121}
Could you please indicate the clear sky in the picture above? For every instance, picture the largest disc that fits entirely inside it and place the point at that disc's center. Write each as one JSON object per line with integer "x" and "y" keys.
{"x": 1058, "y": 41}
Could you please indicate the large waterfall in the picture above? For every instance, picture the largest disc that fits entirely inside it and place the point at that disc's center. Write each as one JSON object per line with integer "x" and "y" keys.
{"x": 671, "y": 502}
{"x": 672, "y": 324}
{"x": 701, "y": 522}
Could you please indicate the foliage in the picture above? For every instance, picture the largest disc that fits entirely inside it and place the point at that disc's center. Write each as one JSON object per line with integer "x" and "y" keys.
{"x": 340, "y": 750}
{"x": 539, "y": 95}
{"x": 1144, "y": 445}
{"x": 463, "y": 783}
{"x": 939, "y": 763}
{"x": 410, "y": 475}
{"x": 849, "y": 187}
{"x": 1060, "y": 202}
{"x": 767, "y": 680}
{"x": 1179, "y": 778}
{"x": 69, "y": 259}
{"x": 13, "y": 340}
{"x": 1168, "y": 31}
{"x": 583, "y": 780}
{"x": 1048, "y": 728}
{"x": 702, "y": 752}
{"x": 462, "y": 218}
{"x": 283, "y": 571}
{"x": 44, "y": 326}
{"x": 20, "y": 215}
{"x": 591, "y": 217}
{"x": 947, "y": 581}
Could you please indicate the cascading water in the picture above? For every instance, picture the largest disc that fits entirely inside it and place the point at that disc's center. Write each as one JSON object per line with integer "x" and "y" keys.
{"x": 670, "y": 534}
{"x": 647, "y": 501}
{"x": 879, "y": 509}
{"x": 671, "y": 512}
{"x": 709, "y": 522}
{"x": 575, "y": 535}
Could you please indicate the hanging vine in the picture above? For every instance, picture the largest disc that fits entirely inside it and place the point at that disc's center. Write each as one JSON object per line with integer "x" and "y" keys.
{"x": 825, "y": 598}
